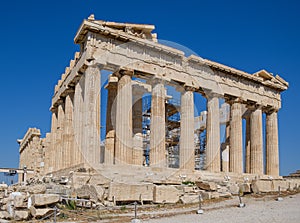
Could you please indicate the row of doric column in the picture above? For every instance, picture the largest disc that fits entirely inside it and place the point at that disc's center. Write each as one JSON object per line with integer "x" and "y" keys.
{"x": 75, "y": 127}
{"x": 75, "y": 132}
{"x": 124, "y": 141}
{"x": 254, "y": 157}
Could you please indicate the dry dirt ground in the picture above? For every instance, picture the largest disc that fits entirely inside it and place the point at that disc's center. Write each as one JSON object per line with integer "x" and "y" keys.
{"x": 257, "y": 210}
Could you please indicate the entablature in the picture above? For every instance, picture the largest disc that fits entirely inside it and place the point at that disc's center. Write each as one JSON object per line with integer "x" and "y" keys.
{"x": 113, "y": 49}
{"x": 31, "y": 132}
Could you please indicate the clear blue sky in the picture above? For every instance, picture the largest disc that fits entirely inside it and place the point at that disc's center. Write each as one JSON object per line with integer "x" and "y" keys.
{"x": 37, "y": 43}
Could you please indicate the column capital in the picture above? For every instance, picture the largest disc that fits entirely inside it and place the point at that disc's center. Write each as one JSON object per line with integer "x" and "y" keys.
{"x": 69, "y": 91}
{"x": 123, "y": 72}
{"x": 185, "y": 88}
{"x": 92, "y": 64}
{"x": 112, "y": 82}
{"x": 53, "y": 109}
{"x": 270, "y": 110}
{"x": 211, "y": 94}
{"x": 60, "y": 102}
{"x": 234, "y": 100}
{"x": 155, "y": 80}
{"x": 254, "y": 107}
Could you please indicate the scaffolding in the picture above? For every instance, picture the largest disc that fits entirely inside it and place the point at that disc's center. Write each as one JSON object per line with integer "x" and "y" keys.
{"x": 172, "y": 131}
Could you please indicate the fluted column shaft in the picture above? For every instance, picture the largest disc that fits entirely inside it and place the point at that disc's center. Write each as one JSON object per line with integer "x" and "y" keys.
{"x": 272, "y": 152}
{"x": 91, "y": 116}
{"x": 158, "y": 125}
{"x": 137, "y": 156}
{"x": 53, "y": 140}
{"x": 213, "y": 134}
{"x": 123, "y": 150}
{"x": 256, "y": 165}
{"x": 236, "y": 139}
{"x": 110, "y": 123}
{"x": 225, "y": 151}
{"x": 78, "y": 121}
{"x": 187, "y": 148}
{"x": 68, "y": 134}
{"x": 58, "y": 138}
{"x": 248, "y": 145}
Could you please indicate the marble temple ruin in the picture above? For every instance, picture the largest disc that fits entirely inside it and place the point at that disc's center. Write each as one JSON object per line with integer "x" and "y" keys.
{"x": 139, "y": 65}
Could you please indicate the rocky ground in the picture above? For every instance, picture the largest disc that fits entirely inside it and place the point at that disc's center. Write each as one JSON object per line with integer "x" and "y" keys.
{"x": 259, "y": 208}
{"x": 89, "y": 197}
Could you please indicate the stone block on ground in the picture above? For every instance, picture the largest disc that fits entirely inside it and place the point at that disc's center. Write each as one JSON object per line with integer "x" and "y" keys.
{"x": 166, "y": 194}
{"x": 284, "y": 185}
{"x": 80, "y": 179}
{"x": 223, "y": 190}
{"x": 208, "y": 186}
{"x": 37, "y": 189}
{"x": 5, "y": 200}
{"x": 130, "y": 192}
{"x": 4, "y": 215}
{"x": 189, "y": 198}
{"x": 261, "y": 186}
{"x": 59, "y": 189}
{"x": 19, "y": 201}
{"x": 233, "y": 188}
{"x": 209, "y": 195}
{"x": 293, "y": 184}
{"x": 40, "y": 213}
{"x": 23, "y": 188}
{"x": 245, "y": 187}
{"x": 87, "y": 192}
{"x": 21, "y": 215}
{"x": 3, "y": 187}
{"x": 188, "y": 189}
{"x": 44, "y": 199}
{"x": 225, "y": 195}
{"x": 98, "y": 179}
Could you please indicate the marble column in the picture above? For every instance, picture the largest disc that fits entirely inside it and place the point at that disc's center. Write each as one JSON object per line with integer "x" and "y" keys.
{"x": 158, "y": 125}
{"x": 47, "y": 152}
{"x": 78, "y": 121}
{"x": 137, "y": 111}
{"x": 59, "y": 150}
{"x": 68, "y": 134}
{"x": 272, "y": 152}
{"x": 187, "y": 147}
{"x": 123, "y": 149}
{"x": 225, "y": 150}
{"x": 256, "y": 147}
{"x": 236, "y": 139}
{"x": 110, "y": 120}
{"x": 53, "y": 140}
{"x": 213, "y": 134}
{"x": 90, "y": 118}
{"x": 248, "y": 145}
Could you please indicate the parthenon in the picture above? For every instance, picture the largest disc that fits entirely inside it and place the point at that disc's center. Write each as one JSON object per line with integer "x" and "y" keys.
{"x": 139, "y": 67}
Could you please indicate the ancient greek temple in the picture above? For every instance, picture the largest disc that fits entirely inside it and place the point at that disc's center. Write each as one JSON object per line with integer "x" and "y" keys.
{"x": 139, "y": 65}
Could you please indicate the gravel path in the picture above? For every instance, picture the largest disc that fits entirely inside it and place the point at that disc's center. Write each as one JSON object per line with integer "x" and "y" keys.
{"x": 257, "y": 210}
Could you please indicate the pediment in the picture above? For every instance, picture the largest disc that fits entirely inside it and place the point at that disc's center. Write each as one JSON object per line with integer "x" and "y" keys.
{"x": 266, "y": 76}
{"x": 143, "y": 31}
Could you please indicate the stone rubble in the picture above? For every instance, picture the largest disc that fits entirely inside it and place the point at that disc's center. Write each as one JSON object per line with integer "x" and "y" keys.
{"x": 39, "y": 198}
